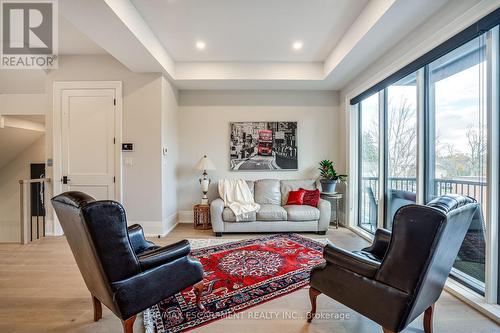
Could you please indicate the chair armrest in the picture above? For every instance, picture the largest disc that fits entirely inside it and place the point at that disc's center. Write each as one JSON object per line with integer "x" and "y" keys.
{"x": 380, "y": 243}
{"x": 325, "y": 212}
{"x": 216, "y": 209}
{"x": 137, "y": 240}
{"x": 350, "y": 261}
{"x": 146, "y": 289}
{"x": 162, "y": 255}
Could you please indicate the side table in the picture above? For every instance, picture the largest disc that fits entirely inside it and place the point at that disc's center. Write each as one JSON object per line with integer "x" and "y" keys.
{"x": 335, "y": 199}
{"x": 201, "y": 215}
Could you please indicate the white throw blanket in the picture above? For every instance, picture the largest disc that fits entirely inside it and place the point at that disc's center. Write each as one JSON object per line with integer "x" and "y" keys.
{"x": 237, "y": 197}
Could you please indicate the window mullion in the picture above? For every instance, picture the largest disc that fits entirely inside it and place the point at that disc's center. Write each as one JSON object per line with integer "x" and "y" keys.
{"x": 382, "y": 181}
{"x": 493, "y": 165}
{"x": 421, "y": 103}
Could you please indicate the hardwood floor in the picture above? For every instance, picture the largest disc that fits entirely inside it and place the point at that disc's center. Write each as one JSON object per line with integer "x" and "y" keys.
{"x": 41, "y": 290}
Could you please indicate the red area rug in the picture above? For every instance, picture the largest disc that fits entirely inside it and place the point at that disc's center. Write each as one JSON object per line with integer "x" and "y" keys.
{"x": 239, "y": 275}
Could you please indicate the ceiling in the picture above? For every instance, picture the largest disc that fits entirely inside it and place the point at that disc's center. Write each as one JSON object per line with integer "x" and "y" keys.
{"x": 249, "y": 31}
{"x": 249, "y": 43}
{"x": 72, "y": 41}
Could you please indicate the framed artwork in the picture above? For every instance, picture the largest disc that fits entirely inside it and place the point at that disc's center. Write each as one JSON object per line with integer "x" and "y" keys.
{"x": 263, "y": 145}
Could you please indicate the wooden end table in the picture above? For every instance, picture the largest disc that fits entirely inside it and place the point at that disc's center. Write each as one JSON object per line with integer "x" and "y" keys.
{"x": 202, "y": 217}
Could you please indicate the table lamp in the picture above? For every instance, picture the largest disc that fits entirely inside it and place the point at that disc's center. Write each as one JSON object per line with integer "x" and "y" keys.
{"x": 204, "y": 164}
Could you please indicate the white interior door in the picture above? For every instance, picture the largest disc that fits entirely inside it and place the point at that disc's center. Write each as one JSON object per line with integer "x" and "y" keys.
{"x": 88, "y": 141}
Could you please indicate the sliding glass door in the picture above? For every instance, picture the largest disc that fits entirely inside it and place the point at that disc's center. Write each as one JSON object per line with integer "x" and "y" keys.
{"x": 458, "y": 144}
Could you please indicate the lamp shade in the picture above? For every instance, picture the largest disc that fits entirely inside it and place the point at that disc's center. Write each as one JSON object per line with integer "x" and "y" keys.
{"x": 204, "y": 164}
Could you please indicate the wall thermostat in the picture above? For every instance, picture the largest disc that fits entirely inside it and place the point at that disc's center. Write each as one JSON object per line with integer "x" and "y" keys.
{"x": 127, "y": 147}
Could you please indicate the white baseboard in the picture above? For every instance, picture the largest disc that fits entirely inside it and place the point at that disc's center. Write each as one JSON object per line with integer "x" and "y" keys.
{"x": 185, "y": 216}
{"x": 169, "y": 224}
{"x": 472, "y": 299}
{"x": 158, "y": 228}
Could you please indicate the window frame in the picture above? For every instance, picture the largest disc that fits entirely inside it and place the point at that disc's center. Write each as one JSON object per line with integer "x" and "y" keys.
{"x": 491, "y": 293}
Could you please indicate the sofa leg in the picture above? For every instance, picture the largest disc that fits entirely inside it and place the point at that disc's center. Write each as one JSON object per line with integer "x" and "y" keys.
{"x": 198, "y": 291}
{"x": 97, "y": 308}
{"x": 313, "y": 294}
{"x": 321, "y": 232}
{"x": 428, "y": 315}
{"x": 218, "y": 234}
{"x": 128, "y": 325}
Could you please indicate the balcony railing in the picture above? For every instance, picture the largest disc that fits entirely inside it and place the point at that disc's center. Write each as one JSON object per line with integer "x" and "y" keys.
{"x": 370, "y": 193}
{"x": 32, "y": 214}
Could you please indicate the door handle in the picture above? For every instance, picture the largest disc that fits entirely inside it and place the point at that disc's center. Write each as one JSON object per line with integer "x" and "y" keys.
{"x": 65, "y": 179}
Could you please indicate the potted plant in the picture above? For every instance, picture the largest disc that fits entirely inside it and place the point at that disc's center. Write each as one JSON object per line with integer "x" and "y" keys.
{"x": 329, "y": 177}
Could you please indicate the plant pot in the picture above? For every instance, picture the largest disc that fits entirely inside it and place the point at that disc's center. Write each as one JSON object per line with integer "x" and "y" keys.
{"x": 328, "y": 186}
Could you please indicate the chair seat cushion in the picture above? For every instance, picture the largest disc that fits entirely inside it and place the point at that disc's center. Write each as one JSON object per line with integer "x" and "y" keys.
{"x": 301, "y": 213}
{"x": 368, "y": 255}
{"x": 228, "y": 216}
{"x": 271, "y": 213}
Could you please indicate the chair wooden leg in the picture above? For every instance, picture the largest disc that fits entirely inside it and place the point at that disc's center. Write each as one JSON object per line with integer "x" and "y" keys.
{"x": 128, "y": 325}
{"x": 97, "y": 308}
{"x": 428, "y": 315}
{"x": 387, "y": 331}
{"x": 313, "y": 294}
{"x": 198, "y": 290}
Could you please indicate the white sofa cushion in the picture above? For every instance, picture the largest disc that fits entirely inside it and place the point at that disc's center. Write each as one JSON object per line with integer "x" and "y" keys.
{"x": 267, "y": 191}
{"x": 271, "y": 213}
{"x": 228, "y": 216}
{"x": 301, "y": 213}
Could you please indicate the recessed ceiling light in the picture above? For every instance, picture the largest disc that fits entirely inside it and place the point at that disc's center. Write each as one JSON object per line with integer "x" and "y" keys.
{"x": 200, "y": 45}
{"x": 297, "y": 46}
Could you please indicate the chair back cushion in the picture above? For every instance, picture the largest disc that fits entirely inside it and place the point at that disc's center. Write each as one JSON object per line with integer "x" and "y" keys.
{"x": 107, "y": 225}
{"x": 424, "y": 244}
{"x": 97, "y": 235}
{"x": 293, "y": 185}
{"x": 267, "y": 191}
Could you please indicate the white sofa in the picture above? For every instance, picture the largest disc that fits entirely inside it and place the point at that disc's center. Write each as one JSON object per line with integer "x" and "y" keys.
{"x": 274, "y": 215}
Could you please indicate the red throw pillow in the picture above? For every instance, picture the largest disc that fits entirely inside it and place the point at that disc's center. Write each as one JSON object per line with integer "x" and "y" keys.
{"x": 296, "y": 197}
{"x": 311, "y": 197}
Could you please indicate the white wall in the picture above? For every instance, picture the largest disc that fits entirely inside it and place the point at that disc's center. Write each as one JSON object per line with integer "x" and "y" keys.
{"x": 22, "y": 104}
{"x": 170, "y": 142}
{"x": 10, "y": 174}
{"x": 204, "y": 118}
{"x": 142, "y": 126}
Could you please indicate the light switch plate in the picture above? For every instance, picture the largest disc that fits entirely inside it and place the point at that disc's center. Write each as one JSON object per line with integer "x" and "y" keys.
{"x": 129, "y": 161}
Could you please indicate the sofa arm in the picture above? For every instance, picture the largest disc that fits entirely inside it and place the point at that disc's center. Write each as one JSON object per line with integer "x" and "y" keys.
{"x": 216, "y": 209}
{"x": 325, "y": 212}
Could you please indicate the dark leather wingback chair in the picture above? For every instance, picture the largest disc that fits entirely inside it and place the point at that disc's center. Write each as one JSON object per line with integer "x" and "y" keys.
{"x": 120, "y": 268}
{"x": 403, "y": 273}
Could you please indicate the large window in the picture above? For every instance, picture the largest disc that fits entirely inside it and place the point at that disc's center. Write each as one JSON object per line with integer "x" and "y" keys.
{"x": 458, "y": 144}
{"x": 401, "y": 152}
{"x": 369, "y": 163}
{"x": 426, "y": 135}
